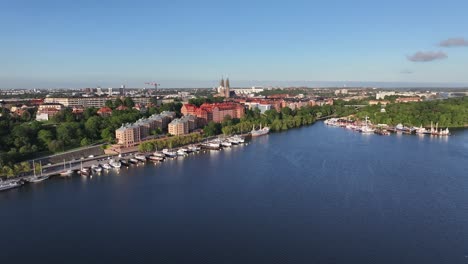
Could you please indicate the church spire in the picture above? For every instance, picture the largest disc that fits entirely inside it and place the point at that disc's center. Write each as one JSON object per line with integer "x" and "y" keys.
{"x": 221, "y": 84}
{"x": 227, "y": 83}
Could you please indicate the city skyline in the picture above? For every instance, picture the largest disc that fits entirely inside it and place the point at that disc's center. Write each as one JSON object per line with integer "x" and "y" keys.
{"x": 183, "y": 45}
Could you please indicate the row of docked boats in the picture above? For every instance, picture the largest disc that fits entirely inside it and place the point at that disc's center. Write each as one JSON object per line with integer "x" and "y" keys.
{"x": 383, "y": 129}
{"x": 117, "y": 163}
{"x": 219, "y": 143}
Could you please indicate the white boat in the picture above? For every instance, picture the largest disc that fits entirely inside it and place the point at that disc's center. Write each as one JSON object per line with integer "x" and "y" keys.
{"x": 140, "y": 157}
{"x": 106, "y": 166}
{"x": 194, "y": 148}
{"x": 445, "y": 132}
{"x": 238, "y": 138}
{"x": 84, "y": 171}
{"x": 155, "y": 158}
{"x": 366, "y": 129}
{"x": 39, "y": 178}
{"x": 115, "y": 164}
{"x": 260, "y": 132}
{"x": 133, "y": 160}
{"x": 159, "y": 154}
{"x": 96, "y": 168}
{"x": 6, "y": 185}
{"x": 182, "y": 153}
{"x": 168, "y": 153}
{"x": 226, "y": 143}
{"x": 212, "y": 144}
{"x": 421, "y": 130}
{"x": 66, "y": 172}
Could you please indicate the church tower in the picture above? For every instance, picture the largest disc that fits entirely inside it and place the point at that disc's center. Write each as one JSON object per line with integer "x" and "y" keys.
{"x": 227, "y": 92}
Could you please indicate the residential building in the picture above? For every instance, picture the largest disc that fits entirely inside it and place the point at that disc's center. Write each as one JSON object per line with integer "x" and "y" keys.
{"x": 376, "y": 102}
{"x": 127, "y": 135}
{"x": 407, "y": 99}
{"x": 131, "y": 134}
{"x": 183, "y": 125}
{"x": 47, "y": 110}
{"x": 214, "y": 112}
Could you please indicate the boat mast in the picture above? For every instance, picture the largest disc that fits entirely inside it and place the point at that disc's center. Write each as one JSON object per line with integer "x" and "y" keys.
{"x": 40, "y": 166}
{"x": 34, "y": 168}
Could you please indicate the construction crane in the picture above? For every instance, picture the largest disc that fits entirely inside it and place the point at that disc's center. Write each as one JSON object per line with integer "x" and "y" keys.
{"x": 155, "y": 84}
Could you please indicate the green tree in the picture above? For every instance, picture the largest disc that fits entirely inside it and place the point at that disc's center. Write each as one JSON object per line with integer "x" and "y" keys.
{"x": 128, "y": 102}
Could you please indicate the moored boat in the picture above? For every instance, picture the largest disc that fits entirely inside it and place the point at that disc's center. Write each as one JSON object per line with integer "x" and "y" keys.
{"x": 133, "y": 160}
{"x": 155, "y": 158}
{"x": 169, "y": 153}
{"x": 115, "y": 164}
{"x": 6, "y": 185}
{"x": 159, "y": 154}
{"x": 260, "y": 132}
{"x": 96, "y": 168}
{"x": 140, "y": 157}
{"x": 226, "y": 144}
{"x": 124, "y": 162}
{"x": 181, "y": 153}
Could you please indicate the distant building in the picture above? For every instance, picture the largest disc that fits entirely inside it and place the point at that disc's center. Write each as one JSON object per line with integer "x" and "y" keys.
{"x": 48, "y": 110}
{"x": 91, "y": 101}
{"x": 224, "y": 88}
{"x": 246, "y": 91}
{"x": 261, "y": 106}
{"x": 381, "y": 95}
{"x": 214, "y": 112}
{"x": 341, "y": 91}
{"x": 376, "y": 102}
{"x": 407, "y": 99}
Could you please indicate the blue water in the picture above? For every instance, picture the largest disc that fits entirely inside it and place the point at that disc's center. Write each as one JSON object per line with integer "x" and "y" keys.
{"x": 311, "y": 195}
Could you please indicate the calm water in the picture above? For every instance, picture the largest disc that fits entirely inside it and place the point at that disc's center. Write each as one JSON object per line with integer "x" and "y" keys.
{"x": 311, "y": 195}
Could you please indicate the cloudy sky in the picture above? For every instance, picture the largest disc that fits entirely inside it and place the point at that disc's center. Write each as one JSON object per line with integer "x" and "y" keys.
{"x": 193, "y": 43}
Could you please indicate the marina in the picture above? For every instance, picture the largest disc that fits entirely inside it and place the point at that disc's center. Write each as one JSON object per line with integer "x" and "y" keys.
{"x": 98, "y": 166}
{"x": 384, "y": 129}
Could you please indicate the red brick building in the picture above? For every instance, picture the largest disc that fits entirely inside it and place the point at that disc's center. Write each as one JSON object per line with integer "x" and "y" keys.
{"x": 213, "y": 112}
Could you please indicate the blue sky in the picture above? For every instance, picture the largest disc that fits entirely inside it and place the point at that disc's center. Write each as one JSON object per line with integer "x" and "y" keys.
{"x": 192, "y": 43}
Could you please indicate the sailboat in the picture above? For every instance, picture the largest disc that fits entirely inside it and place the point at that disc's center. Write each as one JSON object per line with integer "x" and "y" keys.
{"x": 84, "y": 171}
{"x": 260, "y": 132}
{"x": 66, "y": 172}
{"x": 366, "y": 129}
{"x": 39, "y": 178}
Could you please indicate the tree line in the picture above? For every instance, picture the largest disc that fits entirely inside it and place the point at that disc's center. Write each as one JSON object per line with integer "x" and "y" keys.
{"x": 169, "y": 142}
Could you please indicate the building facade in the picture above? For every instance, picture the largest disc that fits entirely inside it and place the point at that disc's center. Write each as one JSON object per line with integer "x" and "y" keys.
{"x": 130, "y": 134}
{"x": 183, "y": 125}
{"x": 214, "y": 112}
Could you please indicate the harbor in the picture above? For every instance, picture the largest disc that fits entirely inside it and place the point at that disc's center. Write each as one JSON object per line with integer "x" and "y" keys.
{"x": 366, "y": 127}
{"x": 95, "y": 166}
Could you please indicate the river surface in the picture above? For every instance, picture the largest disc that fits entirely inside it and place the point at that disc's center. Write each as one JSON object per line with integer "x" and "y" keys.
{"x": 316, "y": 194}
